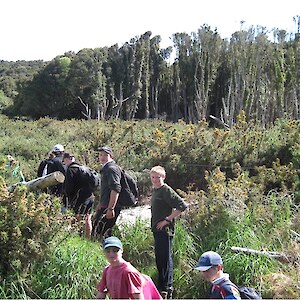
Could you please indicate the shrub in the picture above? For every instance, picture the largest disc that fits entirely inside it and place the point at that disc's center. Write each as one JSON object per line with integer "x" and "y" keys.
{"x": 28, "y": 224}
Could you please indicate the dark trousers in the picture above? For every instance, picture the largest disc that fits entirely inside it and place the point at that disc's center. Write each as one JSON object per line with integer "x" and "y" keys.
{"x": 164, "y": 261}
{"x": 102, "y": 227}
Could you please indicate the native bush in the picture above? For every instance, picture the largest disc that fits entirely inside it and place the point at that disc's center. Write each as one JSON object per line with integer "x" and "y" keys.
{"x": 28, "y": 224}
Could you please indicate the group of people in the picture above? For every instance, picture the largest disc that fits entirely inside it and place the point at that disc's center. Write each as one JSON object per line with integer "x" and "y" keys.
{"x": 120, "y": 279}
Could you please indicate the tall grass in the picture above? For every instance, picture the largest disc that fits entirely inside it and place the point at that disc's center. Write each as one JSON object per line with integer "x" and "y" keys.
{"x": 71, "y": 272}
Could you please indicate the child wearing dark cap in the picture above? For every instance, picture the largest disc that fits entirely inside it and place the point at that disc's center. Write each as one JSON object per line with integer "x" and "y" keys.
{"x": 120, "y": 279}
{"x": 211, "y": 266}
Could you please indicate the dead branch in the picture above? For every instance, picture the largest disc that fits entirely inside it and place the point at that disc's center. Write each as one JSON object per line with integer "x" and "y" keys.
{"x": 275, "y": 255}
{"x": 295, "y": 235}
{"x": 87, "y": 112}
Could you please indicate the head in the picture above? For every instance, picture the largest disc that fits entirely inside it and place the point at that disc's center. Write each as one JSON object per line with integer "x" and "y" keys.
{"x": 210, "y": 265}
{"x": 113, "y": 250}
{"x": 157, "y": 175}
{"x": 58, "y": 150}
{"x": 68, "y": 158}
{"x": 105, "y": 154}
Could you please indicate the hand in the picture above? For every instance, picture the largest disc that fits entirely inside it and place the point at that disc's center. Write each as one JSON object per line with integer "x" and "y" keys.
{"x": 160, "y": 225}
{"x": 110, "y": 214}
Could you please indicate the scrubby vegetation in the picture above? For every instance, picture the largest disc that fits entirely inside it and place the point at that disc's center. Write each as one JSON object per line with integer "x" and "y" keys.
{"x": 242, "y": 186}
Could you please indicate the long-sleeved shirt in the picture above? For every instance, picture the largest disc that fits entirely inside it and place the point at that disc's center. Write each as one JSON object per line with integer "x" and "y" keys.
{"x": 163, "y": 201}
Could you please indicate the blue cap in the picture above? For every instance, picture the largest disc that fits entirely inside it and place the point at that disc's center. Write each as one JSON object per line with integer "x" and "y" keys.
{"x": 112, "y": 241}
{"x": 207, "y": 260}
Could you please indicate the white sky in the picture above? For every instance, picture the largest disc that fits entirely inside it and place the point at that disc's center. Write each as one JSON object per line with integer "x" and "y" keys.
{"x": 43, "y": 29}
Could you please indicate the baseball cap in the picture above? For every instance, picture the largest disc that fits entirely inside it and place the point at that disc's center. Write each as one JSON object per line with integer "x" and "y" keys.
{"x": 58, "y": 148}
{"x": 106, "y": 149}
{"x": 112, "y": 241}
{"x": 207, "y": 260}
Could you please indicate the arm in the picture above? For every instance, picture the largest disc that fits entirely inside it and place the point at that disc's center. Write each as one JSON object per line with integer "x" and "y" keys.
{"x": 178, "y": 204}
{"x": 176, "y": 213}
{"x": 110, "y": 213}
{"x": 114, "y": 182}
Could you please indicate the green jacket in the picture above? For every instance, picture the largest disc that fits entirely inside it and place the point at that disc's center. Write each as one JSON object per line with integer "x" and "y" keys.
{"x": 164, "y": 200}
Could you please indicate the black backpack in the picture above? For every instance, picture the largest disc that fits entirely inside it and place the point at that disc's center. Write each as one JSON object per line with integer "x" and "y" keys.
{"x": 245, "y": 292}
{"x": 129, "y": 190}
{"x": 248, "y": 293}
{"x": 44, "y": 167}
{"x": 89, "y": 177}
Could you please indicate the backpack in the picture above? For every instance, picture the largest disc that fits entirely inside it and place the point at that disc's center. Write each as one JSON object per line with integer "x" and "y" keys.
{"x": 245, "y": 292}
{"x": 43, "y": 168}
{"x": 129, "y": 190}
{"x": 249, "y": 293}
{"x": 89, "y": 177}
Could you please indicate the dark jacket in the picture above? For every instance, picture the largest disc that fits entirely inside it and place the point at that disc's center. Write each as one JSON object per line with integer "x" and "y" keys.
{"x": 163, "y": 201}
{"x": 224, "y": 289}
{"x": 110, "y": 181}
{"x": 75, "y": 190}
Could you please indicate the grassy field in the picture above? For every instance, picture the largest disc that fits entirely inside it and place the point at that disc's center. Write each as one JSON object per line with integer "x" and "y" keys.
{"x": 242, "y": 187}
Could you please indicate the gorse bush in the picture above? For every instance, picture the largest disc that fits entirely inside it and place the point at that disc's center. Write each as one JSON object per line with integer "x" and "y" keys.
{"x": 241, "y": 185}
{"x": 186, "y": 150}
{"x": 27, "y": 228}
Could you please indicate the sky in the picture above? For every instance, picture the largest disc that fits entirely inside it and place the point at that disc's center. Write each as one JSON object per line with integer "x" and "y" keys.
{"x": 43, "y": 29}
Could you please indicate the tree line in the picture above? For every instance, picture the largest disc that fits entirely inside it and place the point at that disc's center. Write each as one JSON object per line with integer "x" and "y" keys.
{"x": 209, "y": 76}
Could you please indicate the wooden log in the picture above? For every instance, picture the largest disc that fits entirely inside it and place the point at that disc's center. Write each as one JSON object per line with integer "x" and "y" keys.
{"x": 42, "y": 182}
{"x": 272, "y": 254}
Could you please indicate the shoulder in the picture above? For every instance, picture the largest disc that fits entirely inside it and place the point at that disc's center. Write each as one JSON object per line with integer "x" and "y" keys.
{"x": 112, "y": 167}
{"x": 230, "y": 289}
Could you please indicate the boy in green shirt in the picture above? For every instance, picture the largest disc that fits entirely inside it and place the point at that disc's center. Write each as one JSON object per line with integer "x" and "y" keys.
{"x": 166, "y": 205}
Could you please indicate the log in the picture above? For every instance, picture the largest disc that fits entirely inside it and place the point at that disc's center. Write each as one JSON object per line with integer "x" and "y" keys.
{"x": 272, "y": 254}
{"x": 41, "y": 182}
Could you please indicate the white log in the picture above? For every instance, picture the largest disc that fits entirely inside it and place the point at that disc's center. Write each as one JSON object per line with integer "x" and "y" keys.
{"x": 272, "y": 254}
{"x": 42, "y": 182}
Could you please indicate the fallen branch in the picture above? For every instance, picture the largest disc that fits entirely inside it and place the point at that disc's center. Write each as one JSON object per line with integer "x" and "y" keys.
{"x": 295, "y": 235}
{"x": 271, "y": 254}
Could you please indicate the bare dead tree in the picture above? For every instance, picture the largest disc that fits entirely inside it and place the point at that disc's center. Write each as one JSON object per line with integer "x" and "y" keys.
{"x": 87, "y": 113}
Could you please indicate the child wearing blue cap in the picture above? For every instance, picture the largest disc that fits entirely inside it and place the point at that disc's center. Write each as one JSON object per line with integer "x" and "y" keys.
{"x": 120, "y": 279}
{"x": 211, "y": 266}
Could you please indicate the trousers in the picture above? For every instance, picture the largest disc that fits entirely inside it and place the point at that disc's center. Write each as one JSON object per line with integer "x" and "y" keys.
{"x": 164, "y": 260}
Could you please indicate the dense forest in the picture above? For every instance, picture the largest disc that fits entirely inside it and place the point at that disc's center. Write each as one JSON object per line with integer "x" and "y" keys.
{"x": 209, "y": 76}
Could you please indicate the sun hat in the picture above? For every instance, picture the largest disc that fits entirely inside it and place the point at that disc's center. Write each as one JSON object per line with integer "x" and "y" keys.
{"x": 207, "y": 260}
{"x": 112, "y": 241}
{"x": 106, "y": 149}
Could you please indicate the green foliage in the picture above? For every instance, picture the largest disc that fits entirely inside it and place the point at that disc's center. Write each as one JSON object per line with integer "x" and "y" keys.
{"x": 27, "y": 227}
{"x": 71, "y": 272}
{"x": 240, "y": 185}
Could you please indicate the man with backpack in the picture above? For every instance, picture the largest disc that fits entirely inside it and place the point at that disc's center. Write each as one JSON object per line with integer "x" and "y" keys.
{"x": 78, "y": 192}
{"x": 52, "y": 164}
{"x": 107, "y": 210}
{"x": 211, "y": 266}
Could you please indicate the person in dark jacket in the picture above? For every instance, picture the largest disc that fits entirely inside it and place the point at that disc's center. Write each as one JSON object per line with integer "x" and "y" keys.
{"x": 166, "y": 206}
{"x": 79, "y": 195}
{"x": 52, "y": 164}
{"x": 107, "y": 211}
{"x": 211, "y": 266}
